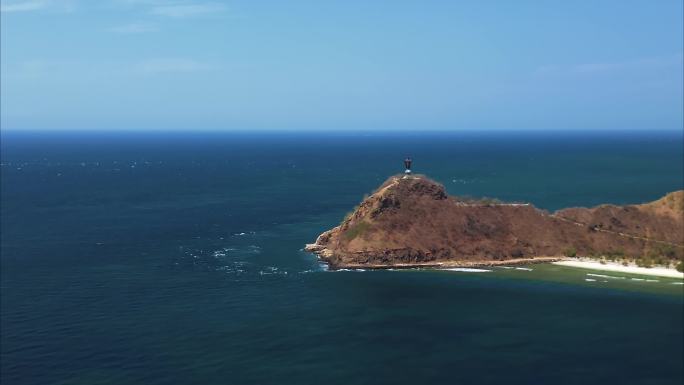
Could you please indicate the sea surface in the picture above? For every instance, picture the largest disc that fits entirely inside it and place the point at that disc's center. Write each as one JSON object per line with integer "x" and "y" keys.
{"x": 176, "y": 258}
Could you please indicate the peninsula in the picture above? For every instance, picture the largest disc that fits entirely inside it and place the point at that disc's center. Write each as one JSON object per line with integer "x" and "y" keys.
{"x": 410, "y": 221}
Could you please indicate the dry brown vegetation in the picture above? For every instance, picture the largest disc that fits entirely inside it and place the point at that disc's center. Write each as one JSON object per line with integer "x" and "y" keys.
{"x": 413, "y": 221}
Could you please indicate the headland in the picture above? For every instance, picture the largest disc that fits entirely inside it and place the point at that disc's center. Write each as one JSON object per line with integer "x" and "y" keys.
{"x": 410, "y": 222}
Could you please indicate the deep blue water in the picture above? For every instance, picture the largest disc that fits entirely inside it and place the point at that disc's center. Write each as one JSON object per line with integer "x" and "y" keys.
{"x": 175, "y": 258}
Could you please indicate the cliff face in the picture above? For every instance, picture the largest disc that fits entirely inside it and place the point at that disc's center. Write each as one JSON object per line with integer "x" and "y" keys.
{"x": 412, "y": 221}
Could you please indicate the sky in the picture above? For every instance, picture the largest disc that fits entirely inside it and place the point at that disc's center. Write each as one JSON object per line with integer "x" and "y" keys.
{"x": 341, "y": 65}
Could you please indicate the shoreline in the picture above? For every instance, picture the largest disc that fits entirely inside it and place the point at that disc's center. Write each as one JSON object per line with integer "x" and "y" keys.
{"x": 445, "y": 264}
{"x": 559, "y": 261}
{"x": 324, "y": 254}
{"x": 619, "y": 268}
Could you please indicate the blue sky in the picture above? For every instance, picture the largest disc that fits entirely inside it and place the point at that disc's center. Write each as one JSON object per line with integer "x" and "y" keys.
{"x": 338, "y": 65}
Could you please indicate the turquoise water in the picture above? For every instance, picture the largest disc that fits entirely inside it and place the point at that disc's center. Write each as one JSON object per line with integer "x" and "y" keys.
{"x": 176, "y": 258}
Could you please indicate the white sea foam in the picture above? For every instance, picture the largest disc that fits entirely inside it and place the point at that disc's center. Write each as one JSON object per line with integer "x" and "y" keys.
{"x": 468, "y": 270}
{"x": 589, "y": 280}
{"x": 269, "y": 270}
{"x": 360, "y": 270}
{"x": 507, "y": 267}
{"x": 678, "y": 283}
{"x": 605, "y": 276}
{"x": 638, "y": 279}
{"x": 523, "y": 268}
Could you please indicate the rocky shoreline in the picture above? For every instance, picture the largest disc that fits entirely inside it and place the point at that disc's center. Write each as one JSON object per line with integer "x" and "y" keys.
{"x": 324, "y": 255}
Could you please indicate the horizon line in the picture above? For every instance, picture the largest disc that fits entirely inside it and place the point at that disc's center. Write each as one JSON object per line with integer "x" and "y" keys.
{"x": 333, "y": 131}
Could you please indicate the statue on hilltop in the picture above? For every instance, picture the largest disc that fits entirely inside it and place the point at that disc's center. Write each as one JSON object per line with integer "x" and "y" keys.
{"x": 407, "y": 165}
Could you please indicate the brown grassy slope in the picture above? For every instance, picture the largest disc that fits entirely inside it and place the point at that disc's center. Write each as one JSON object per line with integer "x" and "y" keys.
{"x": 662, "y": 219}
{"x": 671, "y": 204}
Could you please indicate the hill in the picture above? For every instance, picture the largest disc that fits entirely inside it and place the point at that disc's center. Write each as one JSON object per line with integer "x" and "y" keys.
{"x": 411, "y": 221}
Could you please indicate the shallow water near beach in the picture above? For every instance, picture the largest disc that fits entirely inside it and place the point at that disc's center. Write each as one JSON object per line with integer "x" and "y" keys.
{"x": 157, "y": 258}
{"x": 589, "y": 278}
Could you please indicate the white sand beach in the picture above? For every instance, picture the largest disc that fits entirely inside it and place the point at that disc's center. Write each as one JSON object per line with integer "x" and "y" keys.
{"x": 614, "y": 266}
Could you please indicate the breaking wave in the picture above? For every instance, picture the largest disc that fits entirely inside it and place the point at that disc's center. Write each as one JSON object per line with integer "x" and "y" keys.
{"x": 468, "y": 270}
{"x": 605, "y": 276}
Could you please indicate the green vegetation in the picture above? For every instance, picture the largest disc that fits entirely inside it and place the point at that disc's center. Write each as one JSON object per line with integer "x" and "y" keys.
{"x": 680, "y": 267}
{"x": 356, "y": 230}
{"x": 570, "y": 252}
{"x": 617, "y": 253}
{"x": 666, "y": 251}
{"x": 644, "y": 262}
{"x": 657, "y": 255}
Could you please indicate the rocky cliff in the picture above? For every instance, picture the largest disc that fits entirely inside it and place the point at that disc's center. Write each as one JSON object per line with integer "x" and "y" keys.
{"x": 411, "y": 221}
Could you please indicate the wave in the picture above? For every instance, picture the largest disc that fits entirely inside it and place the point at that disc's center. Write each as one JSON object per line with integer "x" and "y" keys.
{"x": 349, "y": 270}
{"x": 605, "y": 276}
{"x": 468, "y": 270}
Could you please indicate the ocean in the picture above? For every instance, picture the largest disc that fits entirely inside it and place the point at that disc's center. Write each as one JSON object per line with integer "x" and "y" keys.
{"x": 176, "y": 258}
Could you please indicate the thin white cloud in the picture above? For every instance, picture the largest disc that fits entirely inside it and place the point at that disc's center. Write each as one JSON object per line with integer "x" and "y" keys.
{"x": 22, "y": 6}
{"x": 37, "y": 5}
{"x": 184, "y": 10}
{"x": 167, "y": 65}
{"x": 134, "y": 28}
{"x": 641, "y": 64}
